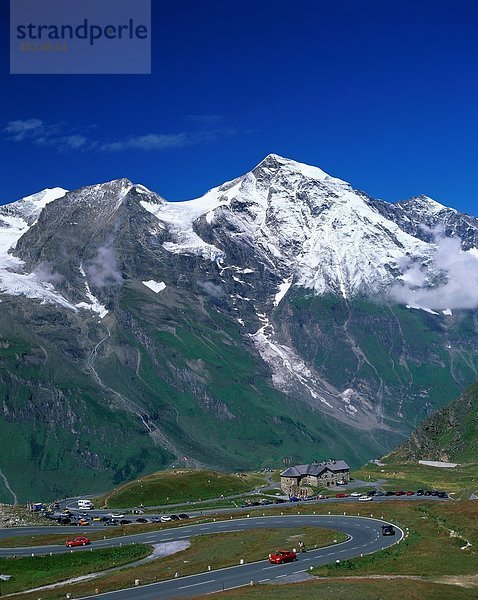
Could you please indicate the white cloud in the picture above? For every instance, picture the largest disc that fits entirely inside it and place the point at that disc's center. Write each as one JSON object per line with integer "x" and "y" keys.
{"x": 212, "y": 289}
{"x": 103, "y": 269}
{"x": 63, "y": 137}
{"x": 150, "y": 141}
{"x": 21, "y": 130}
{"x": 449, "y": 281}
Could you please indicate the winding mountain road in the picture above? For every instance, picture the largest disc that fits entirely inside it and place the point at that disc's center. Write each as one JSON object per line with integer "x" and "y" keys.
{"x": 364, "y": 537}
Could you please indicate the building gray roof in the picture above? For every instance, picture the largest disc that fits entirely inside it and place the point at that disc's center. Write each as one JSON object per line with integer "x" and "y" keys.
{"x": 316, "y": 469}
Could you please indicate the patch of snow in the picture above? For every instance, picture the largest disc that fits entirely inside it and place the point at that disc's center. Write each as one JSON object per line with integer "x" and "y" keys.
{"x": 155, "y": 286}
{"x": 283, "y": 289}
{"x": 180, "y": 218}
{"x": 448, "y": 312}
{"x": 473, "y": 251}
{"x": 286, "y": 365}
{"x": 438, "y": 463}
{"x": 428, "y": 310}
{"x": 15, "y": 220}
{"x": 95, "y": 305}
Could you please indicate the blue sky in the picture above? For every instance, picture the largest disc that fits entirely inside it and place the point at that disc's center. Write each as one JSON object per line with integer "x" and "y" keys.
{"x": 383, "y": 94}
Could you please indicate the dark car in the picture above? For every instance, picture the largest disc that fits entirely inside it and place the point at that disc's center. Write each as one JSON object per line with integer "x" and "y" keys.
{"x": 111, "y": 523}
{"x": 428, "y": 493}
{"x": 64, "y": 520}
{"x": 442, "y": 495}
{"x": 389, "y": 493}
{"x": 141, "y": 520}
{"x": 420, "y": 492}
{"x": 280, "y": 501}
{"x": 125, "y": 522}
{"x": 183, "y": 516}
{"x": 379, "y": 493}
{"x": 174, "y": 517}
{"x": 371, "y": 493}
{"x": 388, "y": 530}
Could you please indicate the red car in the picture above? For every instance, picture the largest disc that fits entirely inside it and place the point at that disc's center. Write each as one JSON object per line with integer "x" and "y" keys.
{"x": 80, "y": 540}
{"x": 282, "y": 556}
{"x": 410, "y": 493}
{"x": 341, "y": 495}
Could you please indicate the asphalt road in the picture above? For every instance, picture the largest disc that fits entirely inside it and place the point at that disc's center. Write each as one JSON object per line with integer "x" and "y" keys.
{"x": 72, "y": 504}
{"x": 364, "y": 537}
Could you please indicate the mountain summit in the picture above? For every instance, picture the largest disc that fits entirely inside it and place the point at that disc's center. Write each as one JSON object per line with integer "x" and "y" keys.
{"x": 272, "y": 317}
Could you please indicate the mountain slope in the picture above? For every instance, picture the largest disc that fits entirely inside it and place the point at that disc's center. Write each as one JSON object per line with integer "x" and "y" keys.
{"x": 449, "y": 434}
{"x": 236, "y": 330}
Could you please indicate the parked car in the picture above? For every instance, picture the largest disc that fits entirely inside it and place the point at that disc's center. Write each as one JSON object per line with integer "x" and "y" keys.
{"x": 165, "y": 519}
{"x": 183, "y": 516}
{"x": 388, "y": 530}
{"x": 365, "y": 498}
{"x": 116, "y": 515}
{"x": 141, "y": 520}
{"x": 410, "y": 493}
{"x": 294, "y": 499}
{"x": 83, "y": 522}
{"x": 111, "y": 523}
{"x": 174, "y": 518}
{"x": 282, "y": 556}
{"x": 80, "y": 540}
{"x": 64, "y": 520}
{"x": 420, "y": 492}
{"x": 341, "y": 495}
{"x": 379, "y": 493}
{"x": 280, "y": 501}
{"x": 389, "y": 493}
{"x": 442, "y": 495}
{"x": 125, "y": 522}
{"x": 355, "y": 495}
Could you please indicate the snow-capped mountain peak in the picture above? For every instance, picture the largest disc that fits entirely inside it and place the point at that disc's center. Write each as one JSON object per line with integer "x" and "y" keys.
{"x": 274, "y": 162}
{"x": 425, "y": 203}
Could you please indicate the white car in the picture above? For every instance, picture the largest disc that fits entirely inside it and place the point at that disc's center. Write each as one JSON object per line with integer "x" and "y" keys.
{"x": 365, "y": 498}
{"x": 116, "y": 515}
{"x": 165, "y": 519}
{"x": 355, "y": 494}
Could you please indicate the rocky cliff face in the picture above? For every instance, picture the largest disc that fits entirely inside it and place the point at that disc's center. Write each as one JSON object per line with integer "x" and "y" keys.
{"x": 255, "y": 323}
{"x": 449, "y": 434}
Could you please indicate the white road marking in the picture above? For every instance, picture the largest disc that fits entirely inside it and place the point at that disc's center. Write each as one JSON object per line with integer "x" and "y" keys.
{"x": 195, "y": 584}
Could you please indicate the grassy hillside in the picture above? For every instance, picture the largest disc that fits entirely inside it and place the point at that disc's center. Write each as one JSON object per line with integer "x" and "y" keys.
{"x": 172, "y": 487}
{"x": 450, "y": 434}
